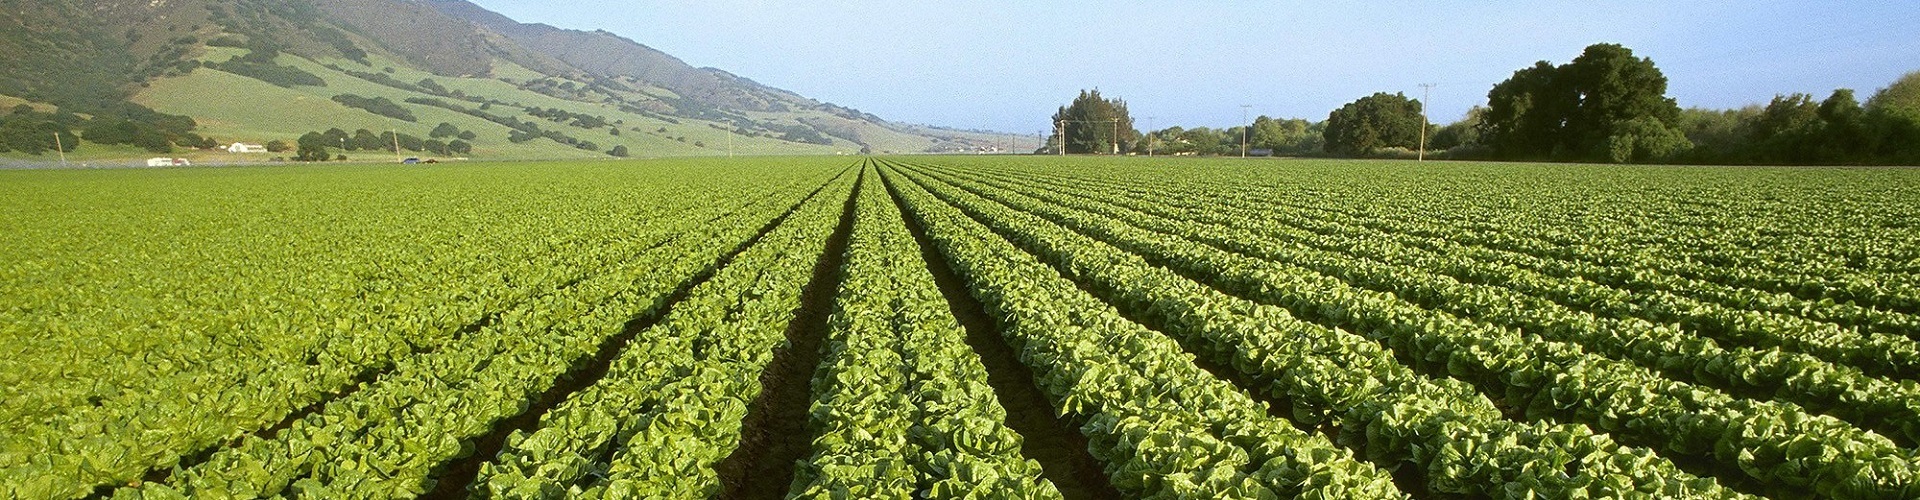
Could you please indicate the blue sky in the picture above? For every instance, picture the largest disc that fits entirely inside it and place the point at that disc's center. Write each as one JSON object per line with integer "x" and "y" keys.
{"x": 1006, "y": 65}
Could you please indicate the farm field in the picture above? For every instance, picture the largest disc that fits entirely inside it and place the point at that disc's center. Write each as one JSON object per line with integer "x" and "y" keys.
{"x": 949, "y": 327}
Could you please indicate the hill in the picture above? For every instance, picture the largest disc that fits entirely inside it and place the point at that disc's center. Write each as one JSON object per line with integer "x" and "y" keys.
{"x": 259, "y": 71}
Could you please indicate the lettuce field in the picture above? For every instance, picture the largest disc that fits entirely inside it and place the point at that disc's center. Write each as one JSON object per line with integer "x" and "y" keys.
{"x": 960, "y": 327}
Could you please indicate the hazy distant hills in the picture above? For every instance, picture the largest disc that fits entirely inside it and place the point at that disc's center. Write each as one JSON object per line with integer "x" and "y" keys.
{"x": 546, "y": 91}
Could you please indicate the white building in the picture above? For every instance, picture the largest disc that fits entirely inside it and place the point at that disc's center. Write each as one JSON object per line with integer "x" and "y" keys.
{"x": 168, "y": 162}
{"x": 241, "y": 147}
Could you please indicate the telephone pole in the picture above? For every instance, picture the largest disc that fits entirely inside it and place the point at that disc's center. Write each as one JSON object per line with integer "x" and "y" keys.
{"x": 58, "y": 145}
{"x": 1426, "y": 94}
{"x": 1060, "y": 135}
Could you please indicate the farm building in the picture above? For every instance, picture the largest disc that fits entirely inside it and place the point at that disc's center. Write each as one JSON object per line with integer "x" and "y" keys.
{"x": 241, "y": 147}
{"x": 168, "y": 162}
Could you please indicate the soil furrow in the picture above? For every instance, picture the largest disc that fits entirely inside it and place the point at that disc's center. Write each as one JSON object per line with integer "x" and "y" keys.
{"x": 453, "y": 478}
{"x": 1053, "y": 441}
{"x": 774, "y": 434}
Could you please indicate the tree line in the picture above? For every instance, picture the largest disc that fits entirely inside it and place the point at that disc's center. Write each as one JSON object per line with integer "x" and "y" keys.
{"x": 1606, "y": 105}
{"x": 445, "y": 139}
{"x": 28, "y": 130}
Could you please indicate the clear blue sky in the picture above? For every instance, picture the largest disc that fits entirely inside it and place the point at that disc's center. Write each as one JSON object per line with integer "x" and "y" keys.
{"x": 1007, "y": 65}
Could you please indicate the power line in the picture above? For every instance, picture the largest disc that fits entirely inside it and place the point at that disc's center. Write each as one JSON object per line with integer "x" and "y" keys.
{"x": 1061, "y": 127}
{"x": 1426, "y": 97}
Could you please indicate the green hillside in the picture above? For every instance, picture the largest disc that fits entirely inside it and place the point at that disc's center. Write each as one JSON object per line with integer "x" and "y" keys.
{"x": 257, "y": 71}
{"x": 250, "y": 110}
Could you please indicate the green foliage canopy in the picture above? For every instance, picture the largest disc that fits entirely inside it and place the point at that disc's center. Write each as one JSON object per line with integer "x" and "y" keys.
{"x": 1093, "y": 125}
{"x": 1377, "y": 121}
{"x": 313, "y": 147}
{"x": 1606, "y": 105}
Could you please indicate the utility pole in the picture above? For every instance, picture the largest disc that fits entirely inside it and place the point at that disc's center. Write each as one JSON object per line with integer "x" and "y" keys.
{"x": 1061, "y": 136}
{"x": 396, "y": 146}
{"x": 60, "y": 146}
{"x": 1425, "y": 95}
{"x": 1116, "y": 137}
{"x": 1243, "y": 129}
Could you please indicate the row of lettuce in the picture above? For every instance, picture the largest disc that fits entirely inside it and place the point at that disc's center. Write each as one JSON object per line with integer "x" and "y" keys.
{"x": 390, "y": 439}
{"x": 1544, "y": 363}
{"x": 1339, "y": 382}
{"x": 669, "y": 408}
{"x": 1217, "y": 336}
{"x": 1597, "y": 318}
{"x": 902, "y": 405}
{"x": 340, "y": 335}
{"x": 1160, "y": 425}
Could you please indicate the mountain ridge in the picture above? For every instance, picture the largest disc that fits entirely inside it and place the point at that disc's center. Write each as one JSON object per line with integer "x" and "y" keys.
{"x": 170, "y": 55}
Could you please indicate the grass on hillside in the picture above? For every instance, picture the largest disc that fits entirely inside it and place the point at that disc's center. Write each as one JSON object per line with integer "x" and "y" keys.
{"x": 248, "y": 110}
{"x": 8, "y": 102}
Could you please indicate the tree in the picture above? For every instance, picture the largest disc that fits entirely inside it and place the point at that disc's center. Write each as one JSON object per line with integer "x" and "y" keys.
{"x": 1622, "y": 99}
{"x": 153, "y": 140}
{"x": 366, "y": 140}
{"x": 1901, "y": 98}
{"x": 1786, "y": 130}
{"x": 1461, "y": 134}
{"x": 198, "y": 142}
{"x": 1526, "y": 112}
{"x": 313, "y": 147}
{"x": 1377, "y": 121}
{"x": 1267, "y": 133}
{"x": 460, "y": 147}
{"x": 1719, "y": 136}
{"x": 1205, "y": 141}
{"x": 1644, "y": 140}
{"x": 279, "y": 146}
{"x": 1845, "y": 137}
{"x": 1603, "y": 103}
{"x": 34, "y": 134}
{"x": 407, "y": 142}
{"x": 619, "y": 151}
{"x": 1093, "y": 125}
{"x": 110, "y": 131}
{"x": 443, "y": 131}
{"x": 1893, "y": 114}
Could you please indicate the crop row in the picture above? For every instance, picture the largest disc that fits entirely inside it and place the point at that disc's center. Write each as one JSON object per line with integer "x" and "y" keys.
{"x": 670, "y": 405}
{"x": 1809, "y": 233}
{"x": 1799, "y": 284}
{"x": 1160, "y": 425}
{"x": 1457, "y": 437}
{"x": 902, "y": 405}
{"x": 389, "y": 439}
{"x": 1381, "y": 264}
{"x": 1777, "y": 445}
{"x": 1701, "y": 299}
{"x": 297, "y": 322}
